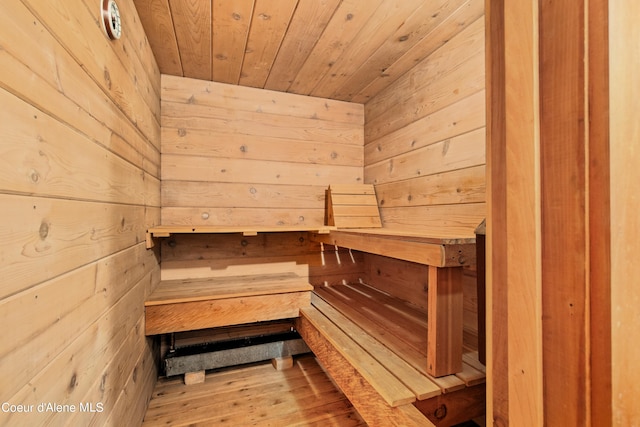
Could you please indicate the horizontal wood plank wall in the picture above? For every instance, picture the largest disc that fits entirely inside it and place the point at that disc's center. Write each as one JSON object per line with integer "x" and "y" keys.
{"x": 409, "y": 282}
{"x": 234, "y": 155}
{"x": 206, "y": 255}
{"x": 79, "y": 185}
{"x": 425, "y": 139}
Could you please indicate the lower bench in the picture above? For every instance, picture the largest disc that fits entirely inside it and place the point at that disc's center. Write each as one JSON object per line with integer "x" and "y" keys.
{"x": 190, "y": 304}
{"x": 385, "y": 388}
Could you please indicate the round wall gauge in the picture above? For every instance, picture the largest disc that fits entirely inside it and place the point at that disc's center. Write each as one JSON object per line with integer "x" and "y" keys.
{"x": 111, "y": 19}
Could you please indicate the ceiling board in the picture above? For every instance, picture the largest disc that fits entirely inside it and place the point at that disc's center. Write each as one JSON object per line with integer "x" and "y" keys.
{"x": 192, "y": 24}
{"x": 340, "y": 49}
{"x": 158, "y": 24}
{"x": 306, "y": 27}
{"x": 231, "y": 21}
{"x": 268, "y": 27}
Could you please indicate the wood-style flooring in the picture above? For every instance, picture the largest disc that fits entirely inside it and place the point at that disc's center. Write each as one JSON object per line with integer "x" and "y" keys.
{"x": 254, "y": 395}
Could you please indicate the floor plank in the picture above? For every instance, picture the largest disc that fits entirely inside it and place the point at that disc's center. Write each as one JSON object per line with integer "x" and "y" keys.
{"x": 254, "y": 395}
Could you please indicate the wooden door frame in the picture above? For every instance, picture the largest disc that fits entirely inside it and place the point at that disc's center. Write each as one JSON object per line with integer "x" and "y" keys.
{"x": 548, "y": 228}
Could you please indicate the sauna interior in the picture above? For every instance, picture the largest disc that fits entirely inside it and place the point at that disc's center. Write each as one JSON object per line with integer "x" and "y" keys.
{"x": 427, "y": 204}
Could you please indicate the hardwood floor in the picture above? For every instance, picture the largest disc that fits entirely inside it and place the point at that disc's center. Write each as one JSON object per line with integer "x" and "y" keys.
{"x": 254, "y": 395}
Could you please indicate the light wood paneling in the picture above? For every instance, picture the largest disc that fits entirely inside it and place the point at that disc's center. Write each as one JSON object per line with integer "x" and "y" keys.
{"x": 269, "y": 24}
{"x": 36, "y": 149}
{"x": 347, "y": 21}
{"x": 405, "y": 280}
{"x": 51, "y": 315}
{"x": 158, "y": 22}
{"x": 451, "y": 73}
{"x": 349, "y": 50}
{"x": 425, "y": 139}
{"x": 447, "y": 188}
{"x": 193, "y": 36}
{"x": 305, "y": 28}
{"x": 458, "y": 152}
{"x": 231, "y": 22}
{"x": 399, "y": 21}
{"x": 625, "y": 227}
{"x": 79, "y": 185}
{"x": 93, "y": 53}
{"x": 241, "y": 156}
{"x": 201, "y": 256}
{"x": 414, "y": 28}
{"x": 468, "y": 12}
{"x": 232, "y": 97}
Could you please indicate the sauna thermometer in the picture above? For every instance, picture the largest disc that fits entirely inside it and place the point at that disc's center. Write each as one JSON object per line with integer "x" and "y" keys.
{"x": 111, "y": 19}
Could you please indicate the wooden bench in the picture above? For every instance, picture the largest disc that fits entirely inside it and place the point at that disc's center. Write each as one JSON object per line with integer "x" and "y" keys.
{"x": 445, "y": 257}
{"x": 203, "y": 303}
{"x": 377, "y": 362}
{"x": 229, "y": 298}
{"x": 189, "y": 304}
{"x": 390, "y": 358}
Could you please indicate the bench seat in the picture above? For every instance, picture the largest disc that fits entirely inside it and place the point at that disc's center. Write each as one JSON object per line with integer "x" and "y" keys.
{"x": 437, "y": 248}
{"x": 377, "y": 369}
{"x": 445, "y": 255}
{"x": 190, "y": 304}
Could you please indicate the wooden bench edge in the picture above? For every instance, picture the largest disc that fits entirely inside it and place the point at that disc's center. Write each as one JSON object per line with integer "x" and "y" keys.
{"x": 392, "y": 390}
{"x": 367, "y": 401}
{"x": 417, "y": 382}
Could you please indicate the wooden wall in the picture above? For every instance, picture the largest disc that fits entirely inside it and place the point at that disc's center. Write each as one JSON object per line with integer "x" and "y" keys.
{"x": 425, "y": 136}
{"x": 624, "y": 37}
{"x": 79, "y": 184}
{"x": 409, "y": 282}
{"x": 242, "y": 156}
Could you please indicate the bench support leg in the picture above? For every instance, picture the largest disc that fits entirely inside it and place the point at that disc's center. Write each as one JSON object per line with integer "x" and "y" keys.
{"x": 191, "y": 378}
{"x": 444, "y": 321}
{"x": 282, "y": 363}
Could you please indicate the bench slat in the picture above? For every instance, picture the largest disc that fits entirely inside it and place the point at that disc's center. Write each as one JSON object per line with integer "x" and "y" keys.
{"x": 411, "y": 330}
{"x": 392, "y": 390}
{"x": 387, "y": 334}
{"x": 367, "y": 401}
{"x": 188, "y": 316}
{"x": 191, "y": 304}
{"x": 189, "y": 290}
{"x": 421, "y": 385}
{"x": 424, "y": 253}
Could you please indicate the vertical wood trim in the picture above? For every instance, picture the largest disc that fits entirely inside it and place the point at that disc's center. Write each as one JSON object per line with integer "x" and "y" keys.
{"x": 496, "y": 239}
{"x": 514, "y": 222}
{"x": 624, "y": 48}
{"x": 523, "y": 219}
{"x": 599, "y": 222}
{"x": 562, "y": 175}
{"x": 563, "y": 203}
{"x": 444, "y": 320}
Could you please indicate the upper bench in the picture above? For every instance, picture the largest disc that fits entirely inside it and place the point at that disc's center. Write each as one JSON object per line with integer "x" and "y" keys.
{"x": 352, "y": 212}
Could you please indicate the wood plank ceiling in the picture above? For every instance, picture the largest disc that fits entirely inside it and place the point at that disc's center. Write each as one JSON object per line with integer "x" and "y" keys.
{"x": 339, "y": 49}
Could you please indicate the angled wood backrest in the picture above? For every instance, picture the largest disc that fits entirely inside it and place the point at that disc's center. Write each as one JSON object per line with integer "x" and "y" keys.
{"x": 352, "y": 206}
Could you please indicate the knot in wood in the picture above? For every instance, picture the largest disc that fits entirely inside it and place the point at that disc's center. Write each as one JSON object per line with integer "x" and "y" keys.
{"x": 107, "y": 78}
{"x": 440, "y": 412}
{"x": 44, "y": 230}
